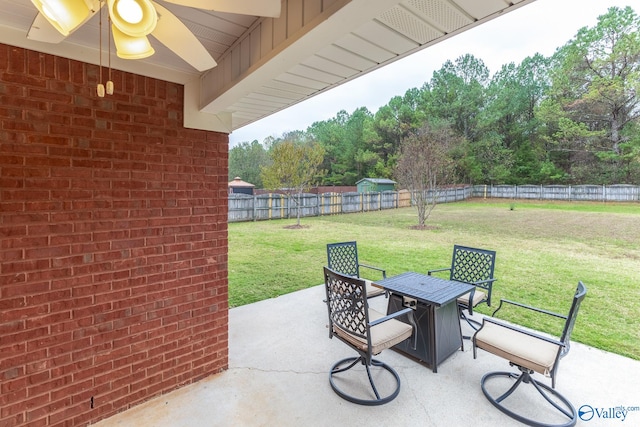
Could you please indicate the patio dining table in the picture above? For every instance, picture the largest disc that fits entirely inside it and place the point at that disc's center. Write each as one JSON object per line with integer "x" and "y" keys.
{"x": 435, "y": 316}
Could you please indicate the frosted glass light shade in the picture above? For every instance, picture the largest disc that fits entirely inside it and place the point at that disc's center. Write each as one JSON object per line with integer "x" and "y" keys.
{"x": 128, "y": 47}
{"x": 135, "y": 18}
{"x": 64, "y": 15}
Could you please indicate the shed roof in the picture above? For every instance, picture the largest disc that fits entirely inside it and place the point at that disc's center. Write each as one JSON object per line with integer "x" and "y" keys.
{"x": 377, "y": 180}
{"x": 237, "y": 182}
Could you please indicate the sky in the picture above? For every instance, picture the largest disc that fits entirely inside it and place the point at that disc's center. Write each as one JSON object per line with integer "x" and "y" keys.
{"x": 539, "y": 27}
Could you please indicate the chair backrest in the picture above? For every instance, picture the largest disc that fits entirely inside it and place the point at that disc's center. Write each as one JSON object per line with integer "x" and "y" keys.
{"x": 472, "y": 265}
{"x": 581, "y": 292}
{"x": 347, "y": 304}
{"x": 343, "y": 258}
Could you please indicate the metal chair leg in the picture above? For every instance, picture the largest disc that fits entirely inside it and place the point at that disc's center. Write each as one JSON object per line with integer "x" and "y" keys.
{"x": 565, "y": 408}
{"x": 348, "y": 363}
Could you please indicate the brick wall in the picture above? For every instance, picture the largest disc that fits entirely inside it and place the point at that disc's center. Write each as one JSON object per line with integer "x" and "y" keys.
{"x": 113, "y": 243}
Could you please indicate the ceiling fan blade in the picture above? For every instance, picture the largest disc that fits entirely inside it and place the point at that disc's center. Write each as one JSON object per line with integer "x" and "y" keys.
{"x": 42, "y": 31}
{"x": 172, "y": 33}
{"x": 269, "y": 8}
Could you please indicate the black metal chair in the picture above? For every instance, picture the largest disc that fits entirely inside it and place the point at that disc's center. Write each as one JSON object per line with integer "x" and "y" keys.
{"x": 343, "y": 258}
{"x": 368, "y": 332}
{"x": 473, "y": 266}
{"x": 530, "y": 352}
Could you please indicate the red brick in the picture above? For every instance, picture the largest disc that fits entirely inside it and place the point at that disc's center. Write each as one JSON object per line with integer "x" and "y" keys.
{"x": 68, "y": 412}
{"x": 48, "y": 95}
{"x": 69, "y": 346}
{"x": 50, "y": 319}
{"x": 16, "y": 420}
{"x": 35, "y": 416}
{"x": 62, "y": 365}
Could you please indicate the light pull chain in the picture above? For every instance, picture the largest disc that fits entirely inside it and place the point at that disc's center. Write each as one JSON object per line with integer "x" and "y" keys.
{"x": 109, "y": 81}
{"x": 100, "y": 88}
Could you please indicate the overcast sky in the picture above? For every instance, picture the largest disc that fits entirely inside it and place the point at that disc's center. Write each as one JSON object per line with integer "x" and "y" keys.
{"x": 540, "y": 27}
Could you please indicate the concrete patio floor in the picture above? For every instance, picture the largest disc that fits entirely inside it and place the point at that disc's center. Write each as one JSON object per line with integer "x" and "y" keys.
{"x": 280, "y": 355}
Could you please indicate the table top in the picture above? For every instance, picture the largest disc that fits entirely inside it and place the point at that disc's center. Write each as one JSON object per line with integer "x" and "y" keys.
{"x": 430, "y": 289}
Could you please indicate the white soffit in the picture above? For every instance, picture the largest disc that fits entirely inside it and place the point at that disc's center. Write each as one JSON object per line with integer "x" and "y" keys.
{"x": 361, "y": 36}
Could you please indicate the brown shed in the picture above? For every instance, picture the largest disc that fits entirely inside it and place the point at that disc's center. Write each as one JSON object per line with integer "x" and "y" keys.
{"x": 238, "y": 186}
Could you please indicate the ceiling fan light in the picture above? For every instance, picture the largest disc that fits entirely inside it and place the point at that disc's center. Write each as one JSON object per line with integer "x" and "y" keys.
{"x": 135, "y": 18}
{"x": 64, "y": 15}
{"x": 129, "y": 10}
{"x": 128, "y": 47}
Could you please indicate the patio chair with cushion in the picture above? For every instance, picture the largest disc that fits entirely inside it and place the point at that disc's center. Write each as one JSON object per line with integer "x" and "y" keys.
{"x": 343, "y": 258}
{"x": 529, "y": 351}
{"x": 366, "y": 331}
{"x": 473, "y": 266}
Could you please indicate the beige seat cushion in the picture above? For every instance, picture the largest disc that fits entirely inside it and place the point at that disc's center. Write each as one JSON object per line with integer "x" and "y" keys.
{"x": 372, "y": 289}
{"x": 519, "y": 348}
{"x": 478, "y": 296}
{"x": 383, "y": 335}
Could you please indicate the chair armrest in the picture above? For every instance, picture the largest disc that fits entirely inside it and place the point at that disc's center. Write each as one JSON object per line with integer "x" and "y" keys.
{"x": 528, "y": 307}
{"x": 438, "y": 269}
{"x": 384, "y": 272}
{"x": 521, "y": 330}
{"x": 482, "y": 282}
{"x": 391, "y": 316}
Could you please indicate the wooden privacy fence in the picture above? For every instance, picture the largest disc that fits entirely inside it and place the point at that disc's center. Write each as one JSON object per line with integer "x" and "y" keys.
{"x": 277, "y": 206}
{"x": 597, "y": 193}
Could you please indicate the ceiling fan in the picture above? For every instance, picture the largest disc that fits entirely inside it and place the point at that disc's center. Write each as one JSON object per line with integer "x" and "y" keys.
{"x": 133, "y": 20}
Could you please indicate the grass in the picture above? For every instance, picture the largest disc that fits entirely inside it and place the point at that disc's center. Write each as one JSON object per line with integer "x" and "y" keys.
{"x": 543, "y": 250}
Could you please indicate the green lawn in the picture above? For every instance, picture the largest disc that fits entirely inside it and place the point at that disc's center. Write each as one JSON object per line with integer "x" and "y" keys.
{"x": 543, "y": 250}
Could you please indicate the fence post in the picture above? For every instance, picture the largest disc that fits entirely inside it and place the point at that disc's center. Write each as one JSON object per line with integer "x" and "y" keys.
{"x": 255, "y": 204}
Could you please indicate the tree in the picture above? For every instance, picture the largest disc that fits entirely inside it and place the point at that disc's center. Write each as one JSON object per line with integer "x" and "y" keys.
{"x": 457, "y": 93}
{"x": 347, "y": 159}
{"x": 508, "y": 148}
{"x": 294, "y": 168}
{"x": 425, "y": 163}
{"x": 595, "y": 97}
{"x": 245, "y": 161}
{"x": 330, "y": 134}
{"x": 385, "y": 131}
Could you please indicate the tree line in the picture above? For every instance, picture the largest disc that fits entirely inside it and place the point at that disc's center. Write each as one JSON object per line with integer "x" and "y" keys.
{"x": 570, "y": 118}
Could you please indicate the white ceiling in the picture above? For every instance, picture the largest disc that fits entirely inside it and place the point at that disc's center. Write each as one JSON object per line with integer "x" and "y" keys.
{"x": 268, "y": 64}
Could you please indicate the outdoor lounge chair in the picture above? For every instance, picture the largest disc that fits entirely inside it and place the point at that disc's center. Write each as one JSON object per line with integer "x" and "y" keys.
{"x": 473, "y": 266}
{"x": 366, "y": 331}
{"x": 343, "y": 258}
{"x": 530, "y": 352}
